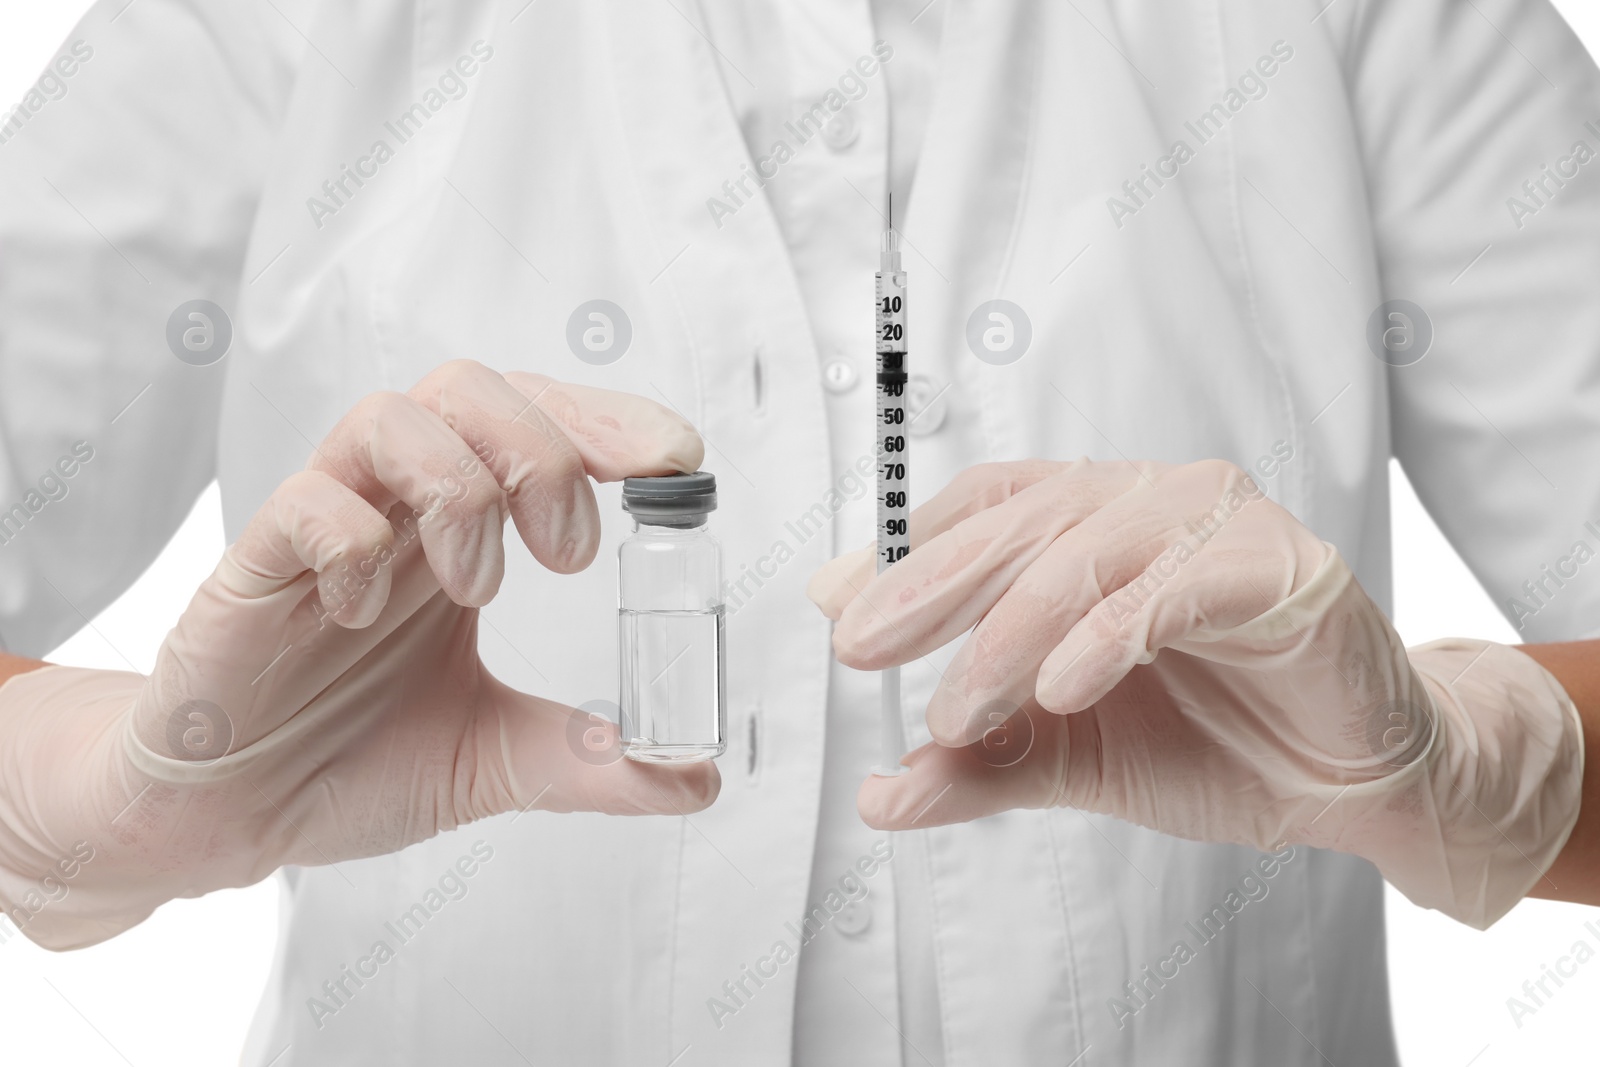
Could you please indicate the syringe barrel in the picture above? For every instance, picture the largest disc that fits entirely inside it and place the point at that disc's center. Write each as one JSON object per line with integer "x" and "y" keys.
{"x": 892, "y": 419}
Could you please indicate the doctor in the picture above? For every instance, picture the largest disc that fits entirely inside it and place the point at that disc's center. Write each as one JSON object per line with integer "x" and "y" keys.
{"x": 1194, "y": 213}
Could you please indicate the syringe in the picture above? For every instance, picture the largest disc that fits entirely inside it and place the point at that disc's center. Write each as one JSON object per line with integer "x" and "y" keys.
{"x": 894, "y": 509}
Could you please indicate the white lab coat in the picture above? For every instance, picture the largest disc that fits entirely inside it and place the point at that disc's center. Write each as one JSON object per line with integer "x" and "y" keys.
{"x": 1225, "y": 315}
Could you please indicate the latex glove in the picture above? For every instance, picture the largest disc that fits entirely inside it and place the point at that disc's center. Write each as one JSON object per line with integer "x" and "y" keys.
{"x": 1167, "y": 645}
{"x": 322, "y": 698}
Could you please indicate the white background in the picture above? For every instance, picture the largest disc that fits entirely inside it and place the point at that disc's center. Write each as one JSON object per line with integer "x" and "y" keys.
{"x": 180, "y": 989}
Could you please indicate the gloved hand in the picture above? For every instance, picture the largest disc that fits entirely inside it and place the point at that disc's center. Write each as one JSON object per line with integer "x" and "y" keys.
{"x": 1167, "y": 645}
{"x": 322, "y": 698}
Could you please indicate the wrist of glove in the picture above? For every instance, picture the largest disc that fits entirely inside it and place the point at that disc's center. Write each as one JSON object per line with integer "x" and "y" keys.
{"x": 97, "y": 830}
{"x": 1499, "y": 789}
{"x": 64, "y": 837}
{"x": 1463, "y": 772}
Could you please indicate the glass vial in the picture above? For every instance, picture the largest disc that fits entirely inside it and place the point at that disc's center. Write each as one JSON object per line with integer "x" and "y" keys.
{"x": 669, "y": 622}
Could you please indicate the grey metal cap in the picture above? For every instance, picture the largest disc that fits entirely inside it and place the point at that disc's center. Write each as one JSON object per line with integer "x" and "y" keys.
{"x": 671, "y": 500}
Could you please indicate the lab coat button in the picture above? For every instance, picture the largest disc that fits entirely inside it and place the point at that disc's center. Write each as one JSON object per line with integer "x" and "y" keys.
{"x": 854, "y": 918}
{"x": 926, "y": 401}
{"x": 839, "y": 376}
{"x": 842, "y": 130}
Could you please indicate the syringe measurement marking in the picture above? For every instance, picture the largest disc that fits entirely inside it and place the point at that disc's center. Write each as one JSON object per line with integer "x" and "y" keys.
{"x": 894, "y": 536}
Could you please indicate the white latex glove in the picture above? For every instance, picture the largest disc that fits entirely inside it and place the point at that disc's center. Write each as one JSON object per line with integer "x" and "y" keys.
{"x": 321, "y": 698}
{"x": 1214, "y": 672}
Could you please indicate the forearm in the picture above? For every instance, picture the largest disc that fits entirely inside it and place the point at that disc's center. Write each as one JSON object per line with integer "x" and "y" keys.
{"x": 10, "y": 666}
{"x": 1575, "y": 875}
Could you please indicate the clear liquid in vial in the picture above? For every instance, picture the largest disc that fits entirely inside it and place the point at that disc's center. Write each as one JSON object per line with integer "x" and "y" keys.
{"x": 672, "y": 685}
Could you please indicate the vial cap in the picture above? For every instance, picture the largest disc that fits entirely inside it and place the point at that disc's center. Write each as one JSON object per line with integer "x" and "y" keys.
{"x": 671, "y": 500}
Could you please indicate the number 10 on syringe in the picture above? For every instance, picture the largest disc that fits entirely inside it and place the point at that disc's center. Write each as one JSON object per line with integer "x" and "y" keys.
{"x": 894, "y": 476}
